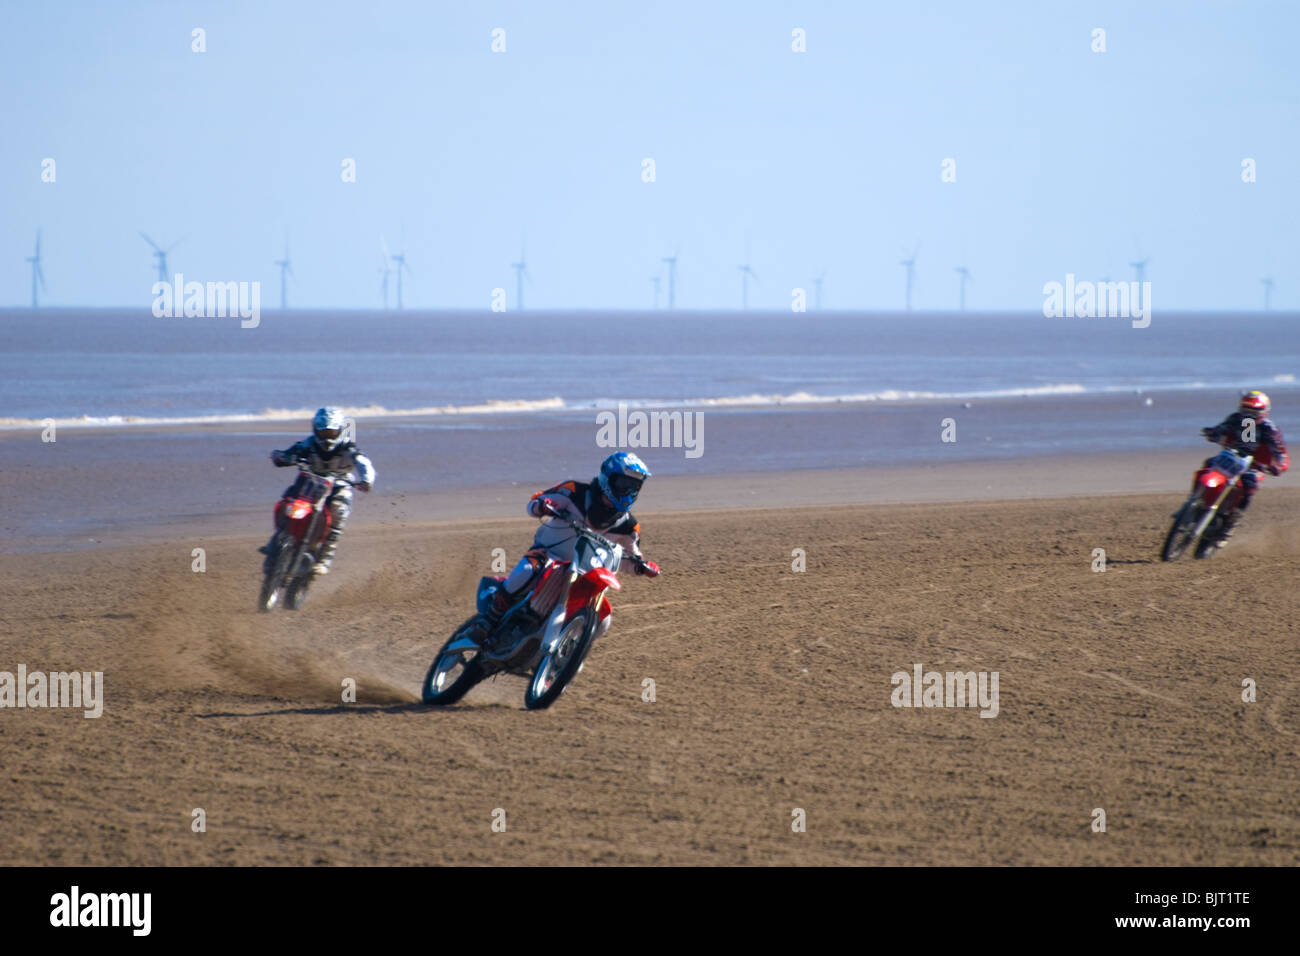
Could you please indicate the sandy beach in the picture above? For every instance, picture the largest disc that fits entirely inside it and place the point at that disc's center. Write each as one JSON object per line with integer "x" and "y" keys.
{"x": 1119, "y": 690}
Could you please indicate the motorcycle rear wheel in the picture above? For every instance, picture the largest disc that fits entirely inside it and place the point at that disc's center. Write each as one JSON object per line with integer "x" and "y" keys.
{"x": 556, "y": 670}
{"x": 452, "y": 674}
{"x": 1183, "y": 532}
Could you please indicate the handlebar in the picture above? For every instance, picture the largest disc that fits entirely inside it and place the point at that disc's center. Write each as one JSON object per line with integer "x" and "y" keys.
{"x": 584, "y": 531}
{"x": 1226, "y": 441}
{"x": 1237, "y": 448}
{"x": 304, "y": 465}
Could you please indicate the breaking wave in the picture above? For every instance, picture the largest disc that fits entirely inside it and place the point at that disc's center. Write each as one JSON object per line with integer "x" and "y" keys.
{"x": 558, "y": 404}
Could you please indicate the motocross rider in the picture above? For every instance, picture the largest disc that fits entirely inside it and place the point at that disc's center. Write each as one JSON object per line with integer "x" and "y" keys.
{"x": 601, "y": 504}
{"x": 1250, "y": 420}
{"x": 327, "y": 454}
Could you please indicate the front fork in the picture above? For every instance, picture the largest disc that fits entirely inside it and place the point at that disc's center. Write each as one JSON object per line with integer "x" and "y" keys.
{"x": 300, "y": 547}
{"x": 1214, "y": 508}
{"x": 555, "y": 626}
{"x": 282, "y": 528}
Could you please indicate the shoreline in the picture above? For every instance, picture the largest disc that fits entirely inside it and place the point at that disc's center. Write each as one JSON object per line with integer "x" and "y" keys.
{"x": 128, "y": 483}
{"x": 526, "y": 409}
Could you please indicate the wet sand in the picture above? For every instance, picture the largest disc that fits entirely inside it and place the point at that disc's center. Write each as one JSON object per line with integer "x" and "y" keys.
{"x": 120, "y": 485}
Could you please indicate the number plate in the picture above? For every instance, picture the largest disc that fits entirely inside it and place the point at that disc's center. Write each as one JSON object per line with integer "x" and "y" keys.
{"x": 314, "y": 487}
{"x": 593, "y": 556}
{"x": 1228, "y": 463}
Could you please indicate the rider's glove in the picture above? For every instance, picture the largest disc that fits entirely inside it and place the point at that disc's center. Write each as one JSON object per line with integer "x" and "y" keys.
{"x": 648, "y": 568}
{"x": 278, "y": 459}
{"x": 363, "y": 485}
{"x": 1208, "y": 433}
{"x": 547, "y": 507}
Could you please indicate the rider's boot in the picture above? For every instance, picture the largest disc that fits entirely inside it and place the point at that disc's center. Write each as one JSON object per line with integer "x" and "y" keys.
{"x": 487, "y": 623}
{"x": 327, "y": 553}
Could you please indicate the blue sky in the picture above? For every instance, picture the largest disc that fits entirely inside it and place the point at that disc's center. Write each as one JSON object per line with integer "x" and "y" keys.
{"x": 1067, "y": 160}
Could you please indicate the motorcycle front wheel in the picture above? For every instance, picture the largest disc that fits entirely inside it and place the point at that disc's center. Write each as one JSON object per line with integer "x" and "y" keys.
{"x": 1208, "y": 546}
{"x": 558, "y": 668}
{"x": 1183, "y": 531}
{"x": 295, "y": 596}
{"x": 273, "y": 580}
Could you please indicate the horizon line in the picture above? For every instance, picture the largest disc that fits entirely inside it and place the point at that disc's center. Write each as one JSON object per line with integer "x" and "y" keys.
{"x": 728, "y": 311}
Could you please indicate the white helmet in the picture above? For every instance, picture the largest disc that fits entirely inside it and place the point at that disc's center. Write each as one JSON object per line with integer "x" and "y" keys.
{"x": 328, "y": 428}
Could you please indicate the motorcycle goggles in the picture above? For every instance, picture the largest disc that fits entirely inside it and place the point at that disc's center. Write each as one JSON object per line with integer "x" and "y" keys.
{"x": 624, "y": 485}
{"x": 328, "y": 434}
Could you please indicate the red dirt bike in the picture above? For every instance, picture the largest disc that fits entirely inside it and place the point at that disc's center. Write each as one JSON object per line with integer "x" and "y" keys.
{"x": 545, "y": 636}
{"x": 303, "y": 522}
{"x": 1216, "y": 491}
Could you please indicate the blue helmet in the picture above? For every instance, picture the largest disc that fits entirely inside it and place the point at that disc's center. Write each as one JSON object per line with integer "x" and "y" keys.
{"x": 620, "y": 478}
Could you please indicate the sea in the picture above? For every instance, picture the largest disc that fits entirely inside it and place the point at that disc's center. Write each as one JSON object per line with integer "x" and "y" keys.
{"x": 115, "y": 367}
{"x": 158, "y": 421}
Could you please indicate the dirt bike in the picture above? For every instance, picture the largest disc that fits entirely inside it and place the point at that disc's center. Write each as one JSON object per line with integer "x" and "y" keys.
{"x": 1216, "y": 492}
{"x": 544, "y": 636}
{"x": 303, "y": 522}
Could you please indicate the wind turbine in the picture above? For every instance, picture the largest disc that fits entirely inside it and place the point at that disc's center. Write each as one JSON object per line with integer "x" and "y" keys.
{"x": 1140, "y": 264}
{"x": 385, "y": 270}
{"x": 37, "y": 272}
{"x": 745, "y": 274}
{"x": 965, "y": 277}
{"x": 671, "y": 262}
{"x": 400, "y": 259}
{"x": 285, "y": 267}
{"x": 817, "y": 291}
{"x": 521, "y": 272}
{"x": 655, "y": 280}
{"x": 910, "y": 264}
{"x": 160, "y": 254}
{"x": 1266, "y": 283}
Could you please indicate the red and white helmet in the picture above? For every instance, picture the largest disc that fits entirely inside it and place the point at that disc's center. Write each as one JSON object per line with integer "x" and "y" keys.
{"x": 1254, "y": 404}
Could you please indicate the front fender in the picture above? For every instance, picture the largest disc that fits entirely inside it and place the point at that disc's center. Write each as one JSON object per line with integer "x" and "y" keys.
{"x": 583, "y": 589}
{"x": 581, "y": 592}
